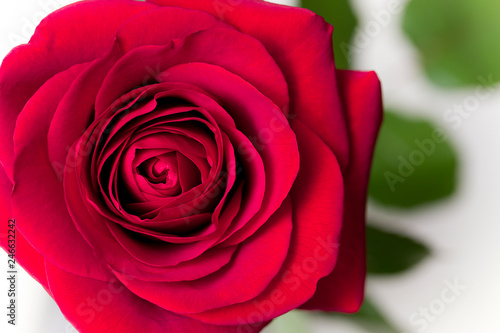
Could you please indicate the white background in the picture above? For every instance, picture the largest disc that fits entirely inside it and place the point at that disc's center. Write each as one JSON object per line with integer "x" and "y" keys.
{"x": 462, "y": 232}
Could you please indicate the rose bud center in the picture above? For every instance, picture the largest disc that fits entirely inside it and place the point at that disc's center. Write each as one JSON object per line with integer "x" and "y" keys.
{"x": 160, "y": 171}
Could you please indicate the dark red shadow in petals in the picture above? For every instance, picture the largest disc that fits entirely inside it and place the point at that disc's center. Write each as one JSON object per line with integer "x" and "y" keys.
{"x": 118, "y": 310}
{"x": 41, "y": 217}
{"x": 52, "y": 50}
{"x": 222, "y": 115}
{"x": 317, "y": 200}
{"x": 343, "y": 290}
{"x": 258, "y": 118}
{"x": 85, "y": 173}
{"x": 160, "y": 229}
{"x": 130, "y": 177}
{"x": 143, "y": 116}
{"x": 248, "y": 274}
{"x": 207, "y": 263}
{"x": 224, "y": 214}
{"x": 122, "y": 166}
{"x": 155, "y": 252}
{"x": 147, "y": 252}
{"x": 156, "y": 179}
{"x": 105, "y": 244}
{"x": 190, "y": 174}
{"x": 300, "y": 43}
{"x": 173, "y": 254}
{"x": 253, "y": 165}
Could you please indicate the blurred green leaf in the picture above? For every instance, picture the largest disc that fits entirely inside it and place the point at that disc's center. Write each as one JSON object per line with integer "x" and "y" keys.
{"x": 370, "y": 317}
{"x": 414, "y": 163}
{"x": 339, "y": 14}
{"x": 457, "y": 39}
{"x": 292, "y": 322}
{"x": 390, "y": 253}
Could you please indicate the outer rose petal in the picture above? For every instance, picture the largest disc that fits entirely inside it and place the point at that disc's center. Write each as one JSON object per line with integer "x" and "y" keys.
{"x": 30, "y": 259}
{"x": 300, "y": 43}
{"x": 89, "y": 31}
{"x": 161, "y": 25}
{"x": 103, "y": 307}
{"x": 42, "y": 215}
{"x": 317, "y": 198}
{"x": 343, "y": 289}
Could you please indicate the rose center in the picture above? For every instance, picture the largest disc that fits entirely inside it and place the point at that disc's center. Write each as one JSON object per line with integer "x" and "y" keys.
{"x": 160, "y": 170}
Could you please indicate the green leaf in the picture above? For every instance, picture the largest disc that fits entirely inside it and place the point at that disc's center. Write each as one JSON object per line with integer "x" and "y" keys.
{"x": 457, "y": 39}
{"x": 390, "y": 253}
{"x": 370, "y": 317}
{"x": 339, "y": 14}
{"x": 414, "y": 163}
{"x": 292, "y": 322}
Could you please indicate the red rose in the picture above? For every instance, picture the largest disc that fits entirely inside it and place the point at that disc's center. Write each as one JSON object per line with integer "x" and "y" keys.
{"x": 186, "y": 165}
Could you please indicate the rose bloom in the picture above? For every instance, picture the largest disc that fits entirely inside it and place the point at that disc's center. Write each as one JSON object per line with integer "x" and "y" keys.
{"x": 186, "y": 165}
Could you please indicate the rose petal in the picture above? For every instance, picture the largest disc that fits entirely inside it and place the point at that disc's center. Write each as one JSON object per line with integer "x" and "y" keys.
{"x": 248, "y": 274}
{"x": 94, "y": 228}
{"x": 343, "y": 290}
{"x": 31, "y": 260}
{"x": 236, "y": 52}
{"x": 317, "y": 200}
{"x": 161, "y": 25}
{"x": 207, "y": 263}
{"x": 40, "y": 216}
{"x": 99, "y": 307}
